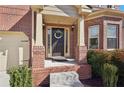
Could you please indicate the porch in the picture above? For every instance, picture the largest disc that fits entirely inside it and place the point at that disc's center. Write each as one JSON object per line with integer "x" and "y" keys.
{"x": 58, "y": 34}
{"x": 59, "y": 61}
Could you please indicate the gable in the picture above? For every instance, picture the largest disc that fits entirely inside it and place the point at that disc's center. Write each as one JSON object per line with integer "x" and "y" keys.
{"x": 61, "y": 10}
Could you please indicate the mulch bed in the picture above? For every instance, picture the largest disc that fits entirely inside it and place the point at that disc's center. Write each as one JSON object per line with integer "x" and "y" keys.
{"x": 93, "y": 82}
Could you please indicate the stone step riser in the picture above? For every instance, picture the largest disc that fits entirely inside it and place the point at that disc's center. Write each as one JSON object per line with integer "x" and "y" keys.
{"x": 67, "y": 79}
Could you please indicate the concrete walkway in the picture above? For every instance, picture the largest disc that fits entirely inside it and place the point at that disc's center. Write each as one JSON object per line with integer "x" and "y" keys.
{"x": 4, "y": 79}
{"x": 65, "y": 79}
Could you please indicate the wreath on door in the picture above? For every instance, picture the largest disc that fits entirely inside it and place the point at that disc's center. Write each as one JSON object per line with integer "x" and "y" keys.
{"x": 58, "y": 34}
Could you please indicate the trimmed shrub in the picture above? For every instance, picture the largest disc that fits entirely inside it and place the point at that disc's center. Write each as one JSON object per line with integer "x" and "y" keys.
{"x": 20, "y": 77}
{"x": 110, "y": 75}
{"x": 118, "y": 60}
{"x": 97, "y": 59}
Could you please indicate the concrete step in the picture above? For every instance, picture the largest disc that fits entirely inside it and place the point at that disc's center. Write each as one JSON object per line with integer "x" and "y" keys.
{"x": 65, "y": 79}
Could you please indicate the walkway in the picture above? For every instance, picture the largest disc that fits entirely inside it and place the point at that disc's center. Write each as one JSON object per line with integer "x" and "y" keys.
{"x": 4, "y": 79}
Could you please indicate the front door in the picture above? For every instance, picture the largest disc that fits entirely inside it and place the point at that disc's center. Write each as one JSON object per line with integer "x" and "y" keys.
{"x": 57, "y": 41}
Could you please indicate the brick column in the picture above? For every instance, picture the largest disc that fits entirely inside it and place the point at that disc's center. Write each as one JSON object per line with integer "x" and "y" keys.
{"x": 81, "y": 49}
{"x": 38, "y": 57}
{"x": 38, "y": 48}
{"x": 38, "y": 52}
{"x": 84, "y": 70}
{"x": 81, "y": 54}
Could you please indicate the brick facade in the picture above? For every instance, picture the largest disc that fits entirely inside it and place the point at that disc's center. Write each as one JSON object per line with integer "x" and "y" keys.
{"x": 38, "y": 64}
{"x": 39, "y": 75}
{"x": 84, "y": 71}
{"x": 38, "y": 57}
{"x": 19, "y": 18}
{"x": 81, "y": 54}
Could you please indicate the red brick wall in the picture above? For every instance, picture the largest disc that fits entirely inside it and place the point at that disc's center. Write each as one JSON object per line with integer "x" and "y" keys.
{"x": 75, "y": 39}
{"x": 40, "y": 75}
{"x": 38, "y": 57}
{"x": 81, "y": 54}
{"x": 16, "y": 18}
{"x": 72, "y": 42}
{"x": 84, "y": 71}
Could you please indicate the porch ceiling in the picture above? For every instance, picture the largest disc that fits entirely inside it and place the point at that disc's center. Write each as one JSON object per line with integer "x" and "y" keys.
{"x": 52, "y": 19}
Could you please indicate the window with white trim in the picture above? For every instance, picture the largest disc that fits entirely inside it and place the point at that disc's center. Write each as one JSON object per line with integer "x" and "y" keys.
{"x": 112, "y": 36}
{"x": 93, "y": 37}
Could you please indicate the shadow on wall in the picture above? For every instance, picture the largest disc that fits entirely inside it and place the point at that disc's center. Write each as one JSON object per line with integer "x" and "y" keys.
{"x": 46, "y": 82}
{"x": 17, "y": 45}
{"x": 14, "y": 49}
{"x": 25, "y": 25}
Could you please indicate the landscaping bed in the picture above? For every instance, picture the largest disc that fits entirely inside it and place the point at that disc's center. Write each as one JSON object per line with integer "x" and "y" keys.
{"x": 107, "y": 62}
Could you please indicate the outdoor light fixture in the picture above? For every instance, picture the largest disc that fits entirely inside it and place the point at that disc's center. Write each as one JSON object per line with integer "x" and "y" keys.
{"x": 43, "y": 24}
{"x": 73, "y": 27}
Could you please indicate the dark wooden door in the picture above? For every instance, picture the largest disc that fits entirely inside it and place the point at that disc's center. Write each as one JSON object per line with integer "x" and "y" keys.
{"x": 57, "y": 42}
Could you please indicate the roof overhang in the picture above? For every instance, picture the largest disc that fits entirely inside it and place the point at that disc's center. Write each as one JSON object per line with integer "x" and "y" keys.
{"x": 84, "y": 10}
{"x": 105, "y": 12}
{"x": 13, "y": 33}
{"x": 37, "y": 8}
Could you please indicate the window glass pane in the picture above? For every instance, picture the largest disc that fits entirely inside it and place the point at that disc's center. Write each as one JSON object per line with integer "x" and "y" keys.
{"x": 93, "y": 36}
{"x": 94, "y": 31}
{"x": 111, "y": 43}
{"x": 112, "y": 31}
{"x": 112, "y": 36}
{"x": 94, "y": 43}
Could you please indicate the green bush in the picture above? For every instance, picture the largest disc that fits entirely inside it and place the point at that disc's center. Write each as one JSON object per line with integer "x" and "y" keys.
{"x": 110, "y": 75}
{"x": 118, "y": 60}
{"x": 20, "y": 77}
{"x": 98, "y": 58}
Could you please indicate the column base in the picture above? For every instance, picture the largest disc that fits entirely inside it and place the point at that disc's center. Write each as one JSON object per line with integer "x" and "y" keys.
{"x": 38, "y": 76}
{"x": 38, "y": 57}
{"x": 81, "y": 55}
{"x": 84, "y": 71}
{"x": 38, "y": 65}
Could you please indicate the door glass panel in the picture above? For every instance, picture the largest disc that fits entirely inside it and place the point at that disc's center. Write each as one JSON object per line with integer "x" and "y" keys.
{"x": 49, "y": 35}
{"x": 57, "y": 42}
{"x": 66, "y": 42}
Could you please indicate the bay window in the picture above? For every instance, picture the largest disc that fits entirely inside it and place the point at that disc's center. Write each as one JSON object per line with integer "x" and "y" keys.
{"x": 93, "y": 37}
{"x": 112, "y": 36}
